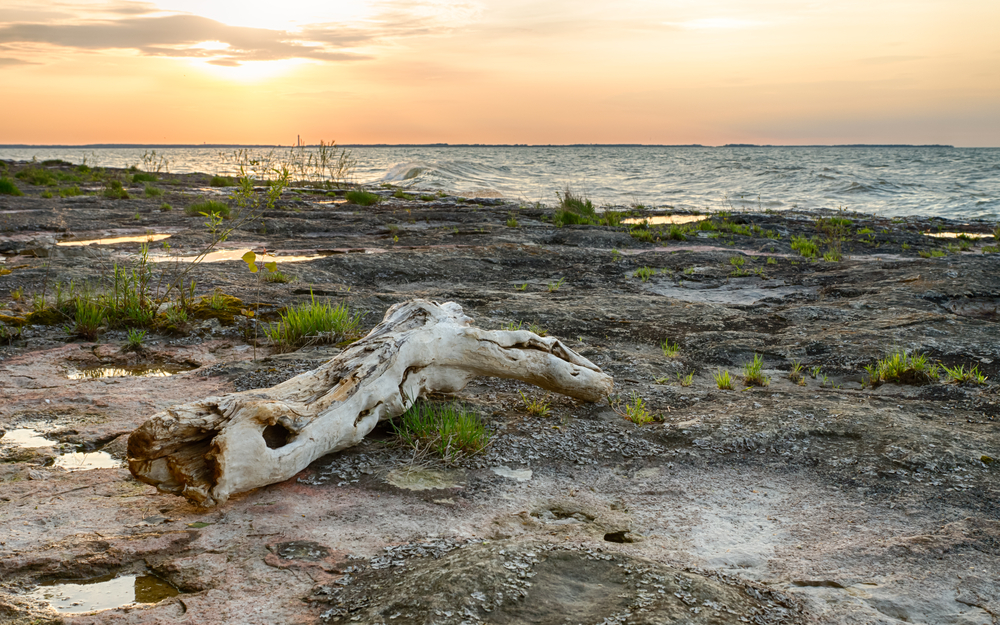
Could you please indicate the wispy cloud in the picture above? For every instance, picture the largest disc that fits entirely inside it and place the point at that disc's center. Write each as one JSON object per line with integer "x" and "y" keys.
{"x": 185, "y": 36}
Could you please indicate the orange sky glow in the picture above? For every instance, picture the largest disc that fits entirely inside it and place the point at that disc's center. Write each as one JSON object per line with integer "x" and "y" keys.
{"x": 500, "y": 71}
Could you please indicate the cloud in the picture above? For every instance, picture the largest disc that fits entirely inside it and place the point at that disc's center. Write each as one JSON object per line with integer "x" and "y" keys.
{"x": 7, "y": 61}
{"x": 715, "y": 23}
{"x": 181, "y": 36}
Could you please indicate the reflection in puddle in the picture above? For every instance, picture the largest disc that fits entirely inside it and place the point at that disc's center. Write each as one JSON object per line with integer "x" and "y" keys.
{"x": 146, "y": 238}
{"x": 666, "y": 219}
{"x": 72, "y": 461}
{"x": 339, "y": 201}
{"x": 955, "y": 235}
{"x": 143, "y": 371}
{"x": 103, "y": 593}
{"x": 26, "y": 438}
{"x": 85, "y": 461}
{"x": 227, "y": 255}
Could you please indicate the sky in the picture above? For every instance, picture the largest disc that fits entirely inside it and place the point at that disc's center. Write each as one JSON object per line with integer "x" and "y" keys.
{"x": 500, "y": 71}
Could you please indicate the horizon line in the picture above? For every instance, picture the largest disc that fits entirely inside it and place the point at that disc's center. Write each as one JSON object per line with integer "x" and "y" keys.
{"x": 482, "y": 145}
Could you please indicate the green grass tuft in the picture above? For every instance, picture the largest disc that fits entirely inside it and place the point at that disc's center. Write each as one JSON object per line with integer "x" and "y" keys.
{"x": 723, "y": 380}
{"x": 959, "y": 374}
{"x": 363, "y": 198}
{"x": 221, "y": 181}
{"x": 115, "y": 191}
{"x": 7, "y": 187}
{"x": 805, "y": 246}
{"x": 644, "y": 273}
{"x": 902, "y": 368}
{"x": 143, "y": 176}
{"x": 152, "y": 191}
{"x": 753, "y": 372}
{"x": 36, "y": 176}
{"x": 450, "y": 431}
{"x": 314, "y": 322}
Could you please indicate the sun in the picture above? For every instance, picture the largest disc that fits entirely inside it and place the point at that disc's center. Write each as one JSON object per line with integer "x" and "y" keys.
{"x": 251, "y": 71}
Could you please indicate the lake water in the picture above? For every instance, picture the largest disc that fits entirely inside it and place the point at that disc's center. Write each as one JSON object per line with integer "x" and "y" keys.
{"x": 961, "y": 183}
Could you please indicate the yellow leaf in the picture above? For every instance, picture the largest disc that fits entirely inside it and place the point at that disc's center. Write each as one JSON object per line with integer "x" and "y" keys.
{"x": 271, "y": 266}
{"x": 249, "y": 257}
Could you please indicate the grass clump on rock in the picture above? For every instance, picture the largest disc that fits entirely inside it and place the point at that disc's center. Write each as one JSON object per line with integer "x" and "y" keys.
{"x": 363, "y": 198}
{"x": 221, "y": 181}
{"x": 7, "y": 187}
{"x": 902, "y": 368}
{"x": 450, "y": 431}
{"x": 115, "y": 191}
{"x": 314, "y": 322}
{"x": 208, "y": 207}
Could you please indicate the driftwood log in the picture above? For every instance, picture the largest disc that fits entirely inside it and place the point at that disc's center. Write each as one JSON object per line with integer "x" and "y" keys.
{"x": 210, "y": 449}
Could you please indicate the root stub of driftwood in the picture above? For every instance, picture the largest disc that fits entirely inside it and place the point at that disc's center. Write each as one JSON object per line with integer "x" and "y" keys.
{"x": 210, "y": 449}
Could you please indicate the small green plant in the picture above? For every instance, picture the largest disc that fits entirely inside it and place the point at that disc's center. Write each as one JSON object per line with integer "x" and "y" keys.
{"x": 135, "y": 339}
{"x": 805, "y": 246}
{"x": 314, "y": 322}
{"x": 512, "y": 221}
{"x": 523, "y": 287}
{"x": 115, "y": 191}
{"x": 906, "y": 246}
{"x": 796, "y": 375}
{"x": 450, "y": 431}
{"x": 47, "y": 194}
{"x": 89, "y": 318}
{"x": 815, "y": 371}
{"x": 832, "y": 256}
{"x": 644, "y": 273}
{"x": 208, "y": 208}
{"x": 402, "y": 195}
{"x": 902, "y": 368}
{"x": 221, "y": 181}
{"x": 723, "y": 380}
{"x": 634, "y": 409}
{"x": 932, "y": 254}
{"x": 152, "y": 191}
{"x": 142, "y": 176}
{"x": 738, "y": 271}
{"x": 276, "y": 277}
{"x": 670, "y": 351}
{"x": 615, "y": 255}
{"x": 428, "y": 198}
{"x": 771, "y": 260}
{"x": 753, "y": 372}
{"x": 685, "y": 380}
{"x": 641, "y": 234}
{"x": 537, "y": 407}
{"x": 363, "y": 198}
{"x": 991, "y": 249}
{"x": 70, "y": 191}
{"x": 554, "y": 286}
{"x": 36, "y": 176}
{"x": 166, "y": 207}
{"x": 959, "y": 374}
{"x": 574, "y": 209}
{"x": 996, "y": 232}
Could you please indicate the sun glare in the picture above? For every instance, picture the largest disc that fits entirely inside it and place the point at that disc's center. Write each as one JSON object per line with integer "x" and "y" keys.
{"x": 251, "y": 71}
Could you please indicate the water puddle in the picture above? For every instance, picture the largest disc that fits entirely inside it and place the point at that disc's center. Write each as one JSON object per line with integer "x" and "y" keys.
{"x": 147, "y": 238}
{"x": 666, "y": 219}
{"x": 228, "y": 255}
{"x": 140, "y": 371}
{"x": 103, "y": 593}
{"x": 955, "y": 235}
{"x": 28, "y": 439}
{"x": 338, "y": 201}
{"x": 79, "y": 460}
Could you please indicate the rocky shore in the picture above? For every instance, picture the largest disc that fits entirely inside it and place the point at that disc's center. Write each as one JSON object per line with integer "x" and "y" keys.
{"x": 821, "y": 496}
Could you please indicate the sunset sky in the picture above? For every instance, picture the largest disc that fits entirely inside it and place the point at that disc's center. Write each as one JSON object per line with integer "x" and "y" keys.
{"x": 501, "y": 71}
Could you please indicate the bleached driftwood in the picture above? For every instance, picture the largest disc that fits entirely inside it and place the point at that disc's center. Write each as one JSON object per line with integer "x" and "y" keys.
{"x": 210, "y": 449}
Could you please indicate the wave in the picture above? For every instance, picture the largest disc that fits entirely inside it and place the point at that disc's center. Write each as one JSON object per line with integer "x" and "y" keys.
{"x": 454, "y": 175}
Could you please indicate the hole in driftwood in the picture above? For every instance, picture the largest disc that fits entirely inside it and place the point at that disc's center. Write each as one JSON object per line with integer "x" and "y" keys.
{"x": 276, "y": 436}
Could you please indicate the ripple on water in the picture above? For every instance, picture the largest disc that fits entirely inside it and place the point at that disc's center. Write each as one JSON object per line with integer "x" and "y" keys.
{"x": 103, "y": 593}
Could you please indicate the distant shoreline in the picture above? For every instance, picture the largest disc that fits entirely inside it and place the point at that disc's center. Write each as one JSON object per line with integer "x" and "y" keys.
{"x": 100, "y": 146}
